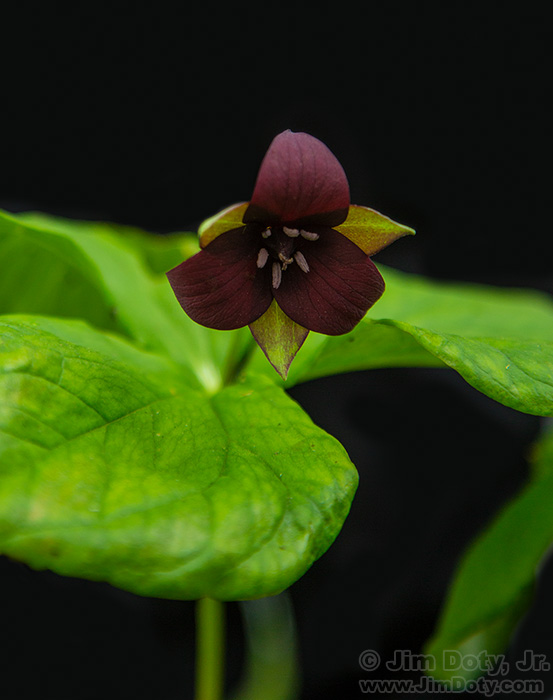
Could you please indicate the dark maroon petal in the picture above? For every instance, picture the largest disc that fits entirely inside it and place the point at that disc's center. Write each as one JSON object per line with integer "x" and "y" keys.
{"x": 222, "y": 287}
{"x": 341, "y": 285}
{"x": 300, "y": 180}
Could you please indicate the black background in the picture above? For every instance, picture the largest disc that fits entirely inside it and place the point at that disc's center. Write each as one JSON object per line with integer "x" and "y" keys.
{"x": 441, "y": 119}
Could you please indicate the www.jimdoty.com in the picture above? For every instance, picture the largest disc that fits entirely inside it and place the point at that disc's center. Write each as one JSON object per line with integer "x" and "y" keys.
{"x": 474, "y": 673}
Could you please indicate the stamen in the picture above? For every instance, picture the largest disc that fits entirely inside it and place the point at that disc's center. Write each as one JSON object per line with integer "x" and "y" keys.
{"x": 262, "y": 257}
{"x": 292, "y": 232}
{"x": 266, "y": 233}
{"x": 309, "y": 236}
{"x": 284, "y": 259}
{"x": 277, "y": 275}
{"x": 302, "y": 262}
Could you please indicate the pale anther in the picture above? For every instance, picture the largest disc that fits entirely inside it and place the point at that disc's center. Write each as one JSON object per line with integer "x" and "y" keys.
{"x": 302, "y": 262}
{"x": 292, "y": 232}
{"x": 277, "y": 275}
{"x": 284, "y": 259}
{"x": 262, "y": 257}
{"x": 266, "y": 233}
{"x": 309, "y": 236}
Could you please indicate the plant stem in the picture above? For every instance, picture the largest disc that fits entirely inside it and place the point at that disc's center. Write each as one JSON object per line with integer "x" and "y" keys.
{"x": 239, "y": 355}
{"x": 209, "y": 649}
{"x": 272, "y": 666}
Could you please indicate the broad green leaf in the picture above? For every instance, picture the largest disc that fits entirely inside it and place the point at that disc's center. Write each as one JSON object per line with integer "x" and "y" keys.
{"x": 470, "y": 310}
{"x": 81, "y": 334}
{"x": 369, "y": 346}
{"x": 499, "y": 340}
{"x": 158, "y": 252}
{"x": 47, "y": 274}
{"x": 114, "y": 466}
{"x": 110, "y": 277}
{"x": 494, "y": 582}
{"x": 517, "y": 373}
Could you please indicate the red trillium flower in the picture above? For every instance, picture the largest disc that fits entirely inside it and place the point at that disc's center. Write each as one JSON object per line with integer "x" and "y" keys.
{"x": 294, "y": 259}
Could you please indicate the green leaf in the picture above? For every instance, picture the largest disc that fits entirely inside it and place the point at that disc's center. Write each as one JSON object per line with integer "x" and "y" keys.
{"x": 494, "y": 582}
{"x": 499, "y": 340}
{"x": 114, "y": 466}
{"x": 45, "y": 273}
{"x": 110, "y": 277}
{"x": 158, "y": 252}
{"x": 517, "y": 373}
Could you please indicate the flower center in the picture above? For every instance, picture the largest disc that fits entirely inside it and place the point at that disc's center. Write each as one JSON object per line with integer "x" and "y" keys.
{"x": 280, "y": 243}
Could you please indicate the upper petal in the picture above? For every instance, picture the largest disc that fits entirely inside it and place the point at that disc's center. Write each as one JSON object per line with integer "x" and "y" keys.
{"x": 221, "y": 286}
{"x": 333, "y": 296}
{"x": 300, "y": 180}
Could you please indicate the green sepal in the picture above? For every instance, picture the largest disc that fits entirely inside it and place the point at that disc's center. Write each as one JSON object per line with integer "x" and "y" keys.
{"x": 370, "y": 230}
{"x": 225, "y": 220}
{"x": 279, "y": 337}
